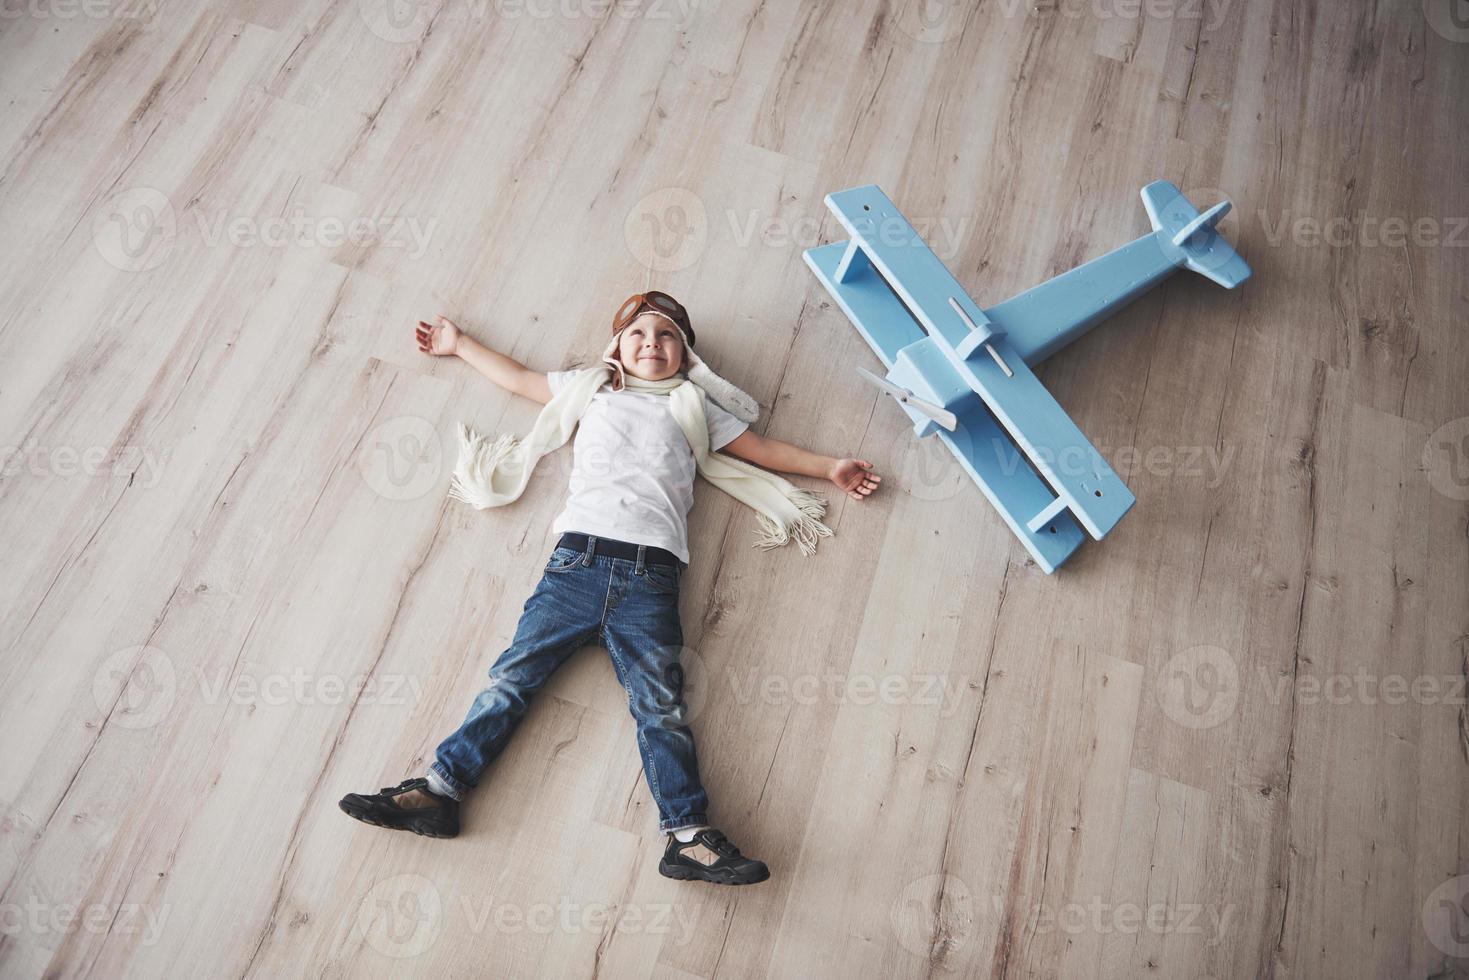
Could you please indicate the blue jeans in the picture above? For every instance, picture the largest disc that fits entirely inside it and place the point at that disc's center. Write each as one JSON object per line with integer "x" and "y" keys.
{"x": 627, "y": 606}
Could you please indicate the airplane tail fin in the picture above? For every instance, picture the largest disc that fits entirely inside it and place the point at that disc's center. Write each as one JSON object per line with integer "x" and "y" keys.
{"x": 1192, "y": 235}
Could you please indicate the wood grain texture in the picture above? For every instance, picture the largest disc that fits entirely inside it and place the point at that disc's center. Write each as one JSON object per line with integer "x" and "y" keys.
{"x": 1229, "y": 741}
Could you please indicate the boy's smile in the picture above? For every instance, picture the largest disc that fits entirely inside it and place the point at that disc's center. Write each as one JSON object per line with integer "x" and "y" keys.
{"x": 650, "y": 348}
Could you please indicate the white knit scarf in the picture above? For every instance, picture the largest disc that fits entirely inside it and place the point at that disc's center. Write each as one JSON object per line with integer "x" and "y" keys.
{"x": 492, "y": 474}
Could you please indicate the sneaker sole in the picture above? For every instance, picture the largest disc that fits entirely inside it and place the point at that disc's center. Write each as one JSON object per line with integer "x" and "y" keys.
{"x": 680, "y": 873}
{"x": 412, "y": 828}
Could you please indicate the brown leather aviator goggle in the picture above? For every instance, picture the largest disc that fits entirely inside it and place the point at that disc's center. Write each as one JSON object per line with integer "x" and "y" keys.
{"x": 655, "y": 302}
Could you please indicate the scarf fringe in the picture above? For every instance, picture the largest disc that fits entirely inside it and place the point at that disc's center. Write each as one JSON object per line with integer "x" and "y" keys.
{"x": 478, "y": 459}
{"x": 806, "y": 529}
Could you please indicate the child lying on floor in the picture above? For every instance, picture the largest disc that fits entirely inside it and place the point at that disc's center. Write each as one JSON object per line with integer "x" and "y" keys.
{"x": 645, "y": 419}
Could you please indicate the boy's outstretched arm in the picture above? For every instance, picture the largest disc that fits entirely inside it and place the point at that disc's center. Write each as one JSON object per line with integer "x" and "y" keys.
{"x": 444, "y": 339}
{"x": 854, "y": 477}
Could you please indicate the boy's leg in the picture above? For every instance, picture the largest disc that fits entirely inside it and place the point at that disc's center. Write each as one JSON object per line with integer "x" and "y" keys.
{"x": 561, "y": 616}
{"x": 644, "y": 638}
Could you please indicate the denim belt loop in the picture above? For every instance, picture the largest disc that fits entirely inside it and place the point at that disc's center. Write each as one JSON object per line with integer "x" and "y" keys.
{"x": 591, "y": 551}
{"x": 642, "y": 553}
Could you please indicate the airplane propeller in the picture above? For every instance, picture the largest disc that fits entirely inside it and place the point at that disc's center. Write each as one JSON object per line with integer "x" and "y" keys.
{"x": 938, "y": 413}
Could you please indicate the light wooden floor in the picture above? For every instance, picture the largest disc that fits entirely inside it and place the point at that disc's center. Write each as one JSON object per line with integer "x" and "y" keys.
{"x": 223, "y": 504}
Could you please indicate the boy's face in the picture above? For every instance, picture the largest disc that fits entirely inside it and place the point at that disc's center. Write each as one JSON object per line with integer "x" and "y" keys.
{"x": 650, "y": 348}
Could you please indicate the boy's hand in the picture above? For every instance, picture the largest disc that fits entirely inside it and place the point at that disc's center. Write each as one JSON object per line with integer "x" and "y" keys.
{"x": 440, "y": 340}
{"x": 854, "y": 477}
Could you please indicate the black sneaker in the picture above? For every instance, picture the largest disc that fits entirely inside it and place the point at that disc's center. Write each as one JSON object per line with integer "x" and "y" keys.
{"x": 710, "y": 856}
{"x": 381, "y": 810}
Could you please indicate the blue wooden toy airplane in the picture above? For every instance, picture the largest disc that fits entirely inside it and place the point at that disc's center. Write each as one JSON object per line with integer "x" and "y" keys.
{"x": 964, "y": 373}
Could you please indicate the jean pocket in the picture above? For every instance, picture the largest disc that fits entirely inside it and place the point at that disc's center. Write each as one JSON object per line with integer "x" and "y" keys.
{"x": 662, "y": 579}
{"x": 563, "y": 560}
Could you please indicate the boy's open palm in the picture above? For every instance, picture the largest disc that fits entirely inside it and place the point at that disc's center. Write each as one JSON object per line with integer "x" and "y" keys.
{"x": 854, "y": 477}
{"x": 440, "y": 339}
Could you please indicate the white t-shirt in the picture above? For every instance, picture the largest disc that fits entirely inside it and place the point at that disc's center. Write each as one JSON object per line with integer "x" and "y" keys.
{"x": 632, "y": 473}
